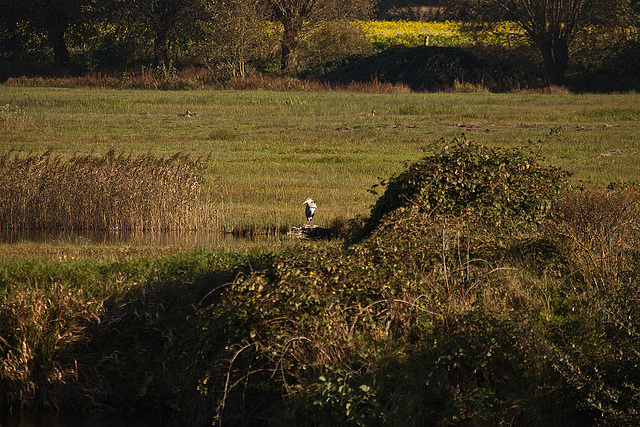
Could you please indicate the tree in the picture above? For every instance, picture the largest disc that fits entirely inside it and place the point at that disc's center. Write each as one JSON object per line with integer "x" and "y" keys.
{"x": 53, "y": 16}
{"x": 229, "y": 33}
{"x": 551, "y": 25}
{"x": 160, "y": 20}
{"x": 298, "y": 15}
{"x": 164, "y": 16}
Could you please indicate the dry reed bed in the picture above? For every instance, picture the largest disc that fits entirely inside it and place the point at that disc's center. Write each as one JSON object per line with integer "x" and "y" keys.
{"x": 197, "y": 79}
{"x": 113, "y": 192}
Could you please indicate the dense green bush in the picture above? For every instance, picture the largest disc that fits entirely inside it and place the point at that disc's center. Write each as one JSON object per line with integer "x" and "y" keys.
{"x": 465, "y": 180}
{"x": 619, "y": 73}
{"x": 439, "y": 68}
{"x": 346, "y": 332}
{"x": 434, "y": 319}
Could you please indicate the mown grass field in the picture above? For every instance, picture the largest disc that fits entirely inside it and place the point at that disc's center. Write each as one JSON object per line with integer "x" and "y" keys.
{"x": 267, "y": 151}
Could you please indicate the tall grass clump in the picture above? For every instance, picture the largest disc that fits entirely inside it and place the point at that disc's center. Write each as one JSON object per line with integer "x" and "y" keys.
{"x": 602, "y": 228}
{"x": 36, "y": 325}
{"x": 113, "y": 192}
{"x": 162, "y": 77}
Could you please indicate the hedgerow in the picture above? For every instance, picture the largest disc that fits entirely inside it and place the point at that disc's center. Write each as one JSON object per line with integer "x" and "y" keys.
{"x": 440, "y": 68}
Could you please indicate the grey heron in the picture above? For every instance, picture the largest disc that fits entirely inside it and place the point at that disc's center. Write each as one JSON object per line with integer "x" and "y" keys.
{"x": 310, "y": 210}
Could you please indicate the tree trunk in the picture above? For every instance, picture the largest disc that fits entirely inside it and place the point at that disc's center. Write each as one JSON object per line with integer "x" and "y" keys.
{"x": 555, "y": 54}
{"x": 561, "y": 56}
{"x": 161, "y": 47}
{"x": 60, "y": 50}
{"x": 290, "y": 41}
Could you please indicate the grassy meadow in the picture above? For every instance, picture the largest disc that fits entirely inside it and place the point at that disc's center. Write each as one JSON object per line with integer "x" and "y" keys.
{"x": 265, "y": 152}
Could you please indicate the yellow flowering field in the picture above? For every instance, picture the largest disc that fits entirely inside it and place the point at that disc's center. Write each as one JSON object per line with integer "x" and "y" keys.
{"x": 384, "y": 34}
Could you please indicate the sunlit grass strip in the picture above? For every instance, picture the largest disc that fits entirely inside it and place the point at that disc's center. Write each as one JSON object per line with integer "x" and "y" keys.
{"x": 114, "y": 192}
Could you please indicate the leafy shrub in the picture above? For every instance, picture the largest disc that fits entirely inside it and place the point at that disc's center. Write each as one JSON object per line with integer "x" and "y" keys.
{"x": 440, "y": 317}
{"x": 326, "y": 320}
{"x": 493, "y": 186}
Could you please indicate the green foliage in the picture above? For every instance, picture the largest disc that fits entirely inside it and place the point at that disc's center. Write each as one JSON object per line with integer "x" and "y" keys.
{"x": 337, "y": 400}
{"x": 438, "y": 68}
{"x": 485, "y": 185}
{"x": 354, "y": 310}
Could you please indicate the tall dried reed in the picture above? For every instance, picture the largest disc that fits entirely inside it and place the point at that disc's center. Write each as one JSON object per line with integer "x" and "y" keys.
{"x": 193, "y": 78}
{"x": 113, "y": 192}
{"x": 161, "y": 77}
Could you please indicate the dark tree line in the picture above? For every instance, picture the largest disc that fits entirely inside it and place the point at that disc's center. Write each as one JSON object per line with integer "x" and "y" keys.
{"x": 53, "y": 16}
{"x": 165, "y": 22}
{"x": 225, "y": 31}
{"x": 551, "y": 25}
